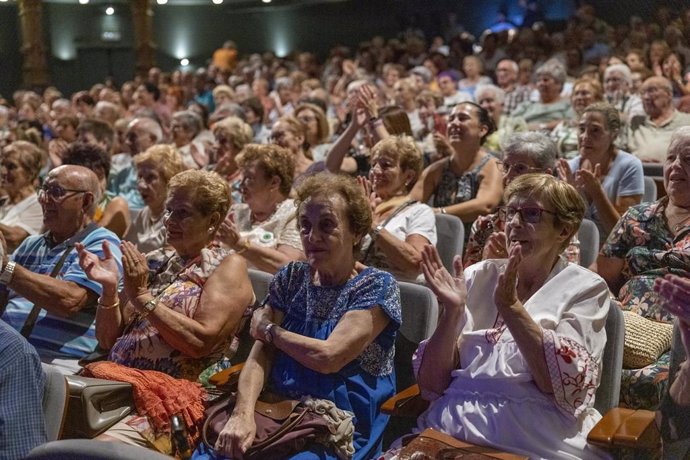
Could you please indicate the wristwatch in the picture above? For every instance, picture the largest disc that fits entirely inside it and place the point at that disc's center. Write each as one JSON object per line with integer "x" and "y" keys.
{"x": 7, "y": 273}
{"x": 375, "y": 232}
{"x": 149, "y": 307}
{"x": 268, "y": 332}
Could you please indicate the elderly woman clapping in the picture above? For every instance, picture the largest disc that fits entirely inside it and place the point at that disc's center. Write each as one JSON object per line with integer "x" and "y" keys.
{"x": 262, "y": 229}
{"x": 328, "y": 329}
{"x": 180, "y": 306}
{"x": 401, "y": 227}
{"x": 516, "y": 336}
{"x": 523, "y": 153}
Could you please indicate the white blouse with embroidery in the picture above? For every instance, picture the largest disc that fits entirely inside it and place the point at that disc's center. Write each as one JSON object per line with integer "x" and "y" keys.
{"x": 493, "y": 399}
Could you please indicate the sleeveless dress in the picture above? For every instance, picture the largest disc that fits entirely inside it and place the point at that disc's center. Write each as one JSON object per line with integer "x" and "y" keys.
{"x": 453, "y": 189}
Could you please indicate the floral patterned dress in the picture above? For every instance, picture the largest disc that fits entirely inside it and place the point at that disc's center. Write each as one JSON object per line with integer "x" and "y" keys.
{"x": 644, "y": 241}
{"x": 179, "y": 287}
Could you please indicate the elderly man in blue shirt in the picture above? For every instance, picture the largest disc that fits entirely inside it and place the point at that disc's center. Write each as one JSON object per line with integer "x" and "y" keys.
{"x": 61, "y": 326}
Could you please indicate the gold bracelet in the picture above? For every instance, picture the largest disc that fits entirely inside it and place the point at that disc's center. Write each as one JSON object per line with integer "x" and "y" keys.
{"x": 108, "y": 307}
{"x": 247, "y": 243}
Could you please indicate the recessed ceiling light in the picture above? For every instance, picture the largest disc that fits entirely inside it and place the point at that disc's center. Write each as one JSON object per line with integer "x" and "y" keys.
{"x": 266, "y": 1}
{"x": 83, "y": 2}
{"x": 217, "y": 2}
{"x": 161, "y": 2}
{"x": 110, "y": 11}
{"x": 184, "y": 62}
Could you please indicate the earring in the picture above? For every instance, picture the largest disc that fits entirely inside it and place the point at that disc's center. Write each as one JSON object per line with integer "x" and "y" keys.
{"x": 211, "y": 230}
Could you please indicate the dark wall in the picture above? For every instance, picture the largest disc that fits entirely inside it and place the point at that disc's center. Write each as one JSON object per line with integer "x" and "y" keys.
{"x": 79, "y": 57}
{"x": 10, "y": 57}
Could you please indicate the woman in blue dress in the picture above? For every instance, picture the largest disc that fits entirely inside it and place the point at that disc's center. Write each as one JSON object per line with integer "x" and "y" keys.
{"x": 328, "y": 328}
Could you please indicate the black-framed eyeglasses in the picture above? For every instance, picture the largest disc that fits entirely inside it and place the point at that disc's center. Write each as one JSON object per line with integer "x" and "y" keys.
{"x": 57, "y": 192}
{"x": 530, "y": 214}
{"x": 518, "y": 168}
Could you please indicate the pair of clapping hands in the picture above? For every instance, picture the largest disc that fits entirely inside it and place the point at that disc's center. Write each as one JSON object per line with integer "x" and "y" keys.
{"x": 675, "y": 295}
{"x": 105, "y": 271}
{"x": 451, "y": 290}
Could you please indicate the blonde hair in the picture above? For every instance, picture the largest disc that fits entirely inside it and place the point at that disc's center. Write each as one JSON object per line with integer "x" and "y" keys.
{"x": 403, "y": 149}
{"x": 566, "y": 202}
{"x": 239, "y": 131}
{"x": 273, "y": 160}
{"x": 164, "y": 158}
{"x": 209, "y": 192}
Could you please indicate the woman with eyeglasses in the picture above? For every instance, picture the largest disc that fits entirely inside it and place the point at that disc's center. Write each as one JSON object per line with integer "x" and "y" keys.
{"x": 20, "y": 212}
{"x": 155, "y": 168}
{"x": 467, "y": 184}
{"x": 609, "y": 179}
{"x": 181, "y": 305}
{"x": 520, "y": 335}
{"x": 523, "y": 153}
{"x": 262, "y": 228}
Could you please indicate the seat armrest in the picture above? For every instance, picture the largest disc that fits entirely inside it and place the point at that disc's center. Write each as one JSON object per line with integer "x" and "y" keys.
{"x": 407, "y": 403}
{"x": 227, "y": 379}
{"x": 626, "y": 428}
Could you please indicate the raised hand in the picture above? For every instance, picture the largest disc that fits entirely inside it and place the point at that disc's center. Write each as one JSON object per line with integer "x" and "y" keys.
{"x": 228, "y": 233}
{"x": 374, "y": 200}
{"x": 135, "y": 272}
{"x": 451, "y": 291}
{"x": 565, "y": 173}
{"x": 588, "y": 177}
{"x": 496, "y": 246}
{"x": 675, "y": 294}
{"x": 103, "y": 271}
{"x": 505, "y": 294}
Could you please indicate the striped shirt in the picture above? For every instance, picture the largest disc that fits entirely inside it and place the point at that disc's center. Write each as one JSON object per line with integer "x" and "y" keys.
{"x": 55, "y": 336}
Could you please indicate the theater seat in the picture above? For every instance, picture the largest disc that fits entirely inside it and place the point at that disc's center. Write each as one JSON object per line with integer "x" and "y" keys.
{"x": 54, "y": 401}
{"x": 89, "y": 449}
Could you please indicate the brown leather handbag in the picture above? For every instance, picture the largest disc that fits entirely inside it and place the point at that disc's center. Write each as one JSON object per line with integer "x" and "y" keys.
{"x": 283, "y": 426}
{"x": 434, "y": 445}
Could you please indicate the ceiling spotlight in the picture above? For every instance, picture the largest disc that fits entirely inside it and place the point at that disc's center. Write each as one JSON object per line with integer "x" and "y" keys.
{"x": 184, "y": 62}
{"x": 161, "y": 2}
{"x": 110, "y": 11}
{"x": 83, "y": 2}
{"x": 266, "y": 1}
{"x": 217, "y": 2}
{"x": 3, "y": 1}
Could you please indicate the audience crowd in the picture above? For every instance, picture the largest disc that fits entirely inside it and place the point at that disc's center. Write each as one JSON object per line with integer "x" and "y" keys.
{"x": 130, "y": 215}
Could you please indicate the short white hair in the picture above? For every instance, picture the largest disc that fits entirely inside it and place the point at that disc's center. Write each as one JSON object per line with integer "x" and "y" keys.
{"x": 498, "y": 93}
{"x": 620, "y": 68}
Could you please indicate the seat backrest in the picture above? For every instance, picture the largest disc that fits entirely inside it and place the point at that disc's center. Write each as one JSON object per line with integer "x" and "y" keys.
{"x": 608, "y": 393}
{"x": 419, "y": 319}
{"x": 588, "y": 234}
{"x": 90, "y": 449}
{"x": 451, "y": 237}
{"x": 649, "y": 195}
{"x": 260, "y": 283}
{"x": 54, "y": 401}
